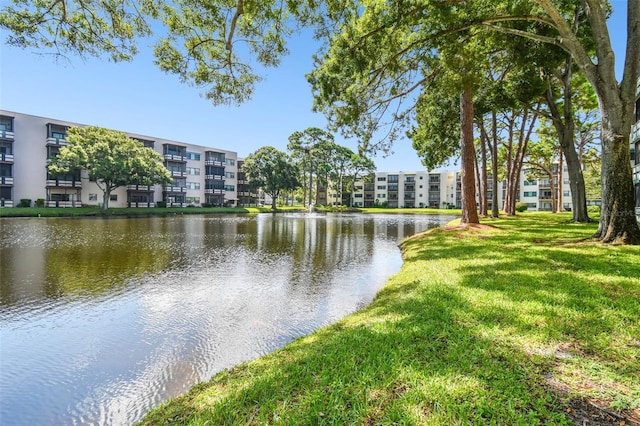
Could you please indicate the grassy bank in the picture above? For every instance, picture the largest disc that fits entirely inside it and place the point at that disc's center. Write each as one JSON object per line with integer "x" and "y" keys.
{"x": 129, "y": 212}
{"x": 158, "y": 211}
{"x": 525, "y": 321}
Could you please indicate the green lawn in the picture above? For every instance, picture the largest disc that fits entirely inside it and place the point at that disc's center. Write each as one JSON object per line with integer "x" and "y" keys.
{"x": 504, "y": 325}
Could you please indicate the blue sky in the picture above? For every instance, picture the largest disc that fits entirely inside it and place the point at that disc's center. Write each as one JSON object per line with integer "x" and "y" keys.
{"x": 137, "y": 97}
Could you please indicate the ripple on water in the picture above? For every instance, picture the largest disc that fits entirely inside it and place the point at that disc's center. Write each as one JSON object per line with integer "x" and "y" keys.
{"x": 185, "y": 297}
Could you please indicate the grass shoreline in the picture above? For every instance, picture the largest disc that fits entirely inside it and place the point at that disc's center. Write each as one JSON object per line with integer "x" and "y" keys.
{"x": 168, "y": 211}
{"x": 524, "y": 321}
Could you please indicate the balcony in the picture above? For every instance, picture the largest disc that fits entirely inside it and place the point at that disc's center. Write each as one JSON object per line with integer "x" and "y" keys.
{"x": 57, "y": 141}
{"x": 5, "y": 134}
{"x": 174, "y": 189}
{"x": 63, "y": 183}
{"x": 6, "y": 180}
{"x": 215, "y": 177}
{"x": 213, "y": 163}
{"x": 177, "y": 173}
{"x": 6, "y": 158}
{"x": 6, "y": 203}
{"x": 214, "y": 191}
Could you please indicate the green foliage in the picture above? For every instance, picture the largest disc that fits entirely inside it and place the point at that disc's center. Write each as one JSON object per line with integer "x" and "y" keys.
{"x": 161, "y": 204}
{"x": 214, "y": 45}
{"x": 25, "y": 202}
{"x": 110, "y": 158}
{"x": 271, "y": 170}
{"x": 594, "y": 209}
{"x": 521, "y": 207}
{"x": 40, "y": 202}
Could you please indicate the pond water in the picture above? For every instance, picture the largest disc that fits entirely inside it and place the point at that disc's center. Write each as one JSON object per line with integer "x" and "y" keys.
{"x": 102, "y": 319}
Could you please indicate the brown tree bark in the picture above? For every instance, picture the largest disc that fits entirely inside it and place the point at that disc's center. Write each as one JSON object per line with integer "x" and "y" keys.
{"x": 467, "y": 173}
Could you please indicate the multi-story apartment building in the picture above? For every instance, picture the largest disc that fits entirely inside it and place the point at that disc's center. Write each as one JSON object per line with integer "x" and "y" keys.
{"x": 404, "y": 190}
{"x": 201, "y": 175}
{"x": 635, "y": 150}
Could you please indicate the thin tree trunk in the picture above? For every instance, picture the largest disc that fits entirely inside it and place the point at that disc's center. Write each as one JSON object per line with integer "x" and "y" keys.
{"x": 467, "y": 175}
{"x": 560, "y": 179}
{"x": 481, "y": 171}
{"x": 494, "y": 166}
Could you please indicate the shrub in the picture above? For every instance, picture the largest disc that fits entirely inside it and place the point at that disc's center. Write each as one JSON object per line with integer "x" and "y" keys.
{"x": 40, "y": 202}
{"x": 593, "y": 209}
{"x": 207, "y": 205}
{"x": 25, "y": 202}
{"x": 521, "y": 207}
{"x": 161, "y": 204}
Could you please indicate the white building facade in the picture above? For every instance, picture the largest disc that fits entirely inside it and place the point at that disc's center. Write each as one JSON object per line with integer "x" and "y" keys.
{"x": 201, "y": 175}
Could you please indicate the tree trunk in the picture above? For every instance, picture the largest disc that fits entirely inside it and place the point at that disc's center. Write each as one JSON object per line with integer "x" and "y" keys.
{"x": 494, "y": 166}
{"x": 617, "y": 218}
{"x": 481, "y": 172}
{"x": 274, "y": 200}
{"x": 106, "y": 195}
{"x": 467, "y": 174}
{"x": 565, "y": 126}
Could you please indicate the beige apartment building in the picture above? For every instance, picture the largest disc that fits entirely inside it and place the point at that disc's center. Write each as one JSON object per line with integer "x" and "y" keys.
{"x": 201, "y": 175}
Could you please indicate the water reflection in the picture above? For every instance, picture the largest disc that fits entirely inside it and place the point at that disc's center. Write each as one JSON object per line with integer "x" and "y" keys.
{"x": 103, "y": 319}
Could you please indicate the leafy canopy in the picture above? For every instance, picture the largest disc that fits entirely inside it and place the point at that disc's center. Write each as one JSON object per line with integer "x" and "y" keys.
{"x": 111, "y": 159}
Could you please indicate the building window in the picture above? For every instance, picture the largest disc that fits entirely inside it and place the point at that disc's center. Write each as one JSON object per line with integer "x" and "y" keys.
{"x": 193, "y": 200}
{"x": 566, "y": 193}
{"x": 530, "y": 194}
{"x": 230, "y": 175}
{"x": 393, "y": 178}
{"x": 193, "y": 171}
{"x": 533, "y": 182}
{"x": 382, "y": 179}
{"x": 193, "y": 185}
{"x": 230, "y": 162}
{"x": 93, "y": 197}
{"x": 229, "y": 188}
{"x": 113, "y": 197}
{"x": 358, "y": 195}
{"x": 382, "y": 187}
{"x": 193, "y": 156}
{"x": 382, "y": 196}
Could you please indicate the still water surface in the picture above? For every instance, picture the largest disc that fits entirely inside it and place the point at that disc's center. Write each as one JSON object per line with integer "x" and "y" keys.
{"x": 102, "y": 319}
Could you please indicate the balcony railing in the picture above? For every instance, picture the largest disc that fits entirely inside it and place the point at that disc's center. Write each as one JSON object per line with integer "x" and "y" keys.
{"x": 214, "y": 191}
{"x": 6, "y": 180}
{"x": 172, "y": 157}
{"x": 174, "y": 189}
{"x": 7, "y": 158}
{"x": 141, "y": 204}
{"x": 63, "y": 183}
{"x": 213, "y": 163}
{"x": 57, "y": 141}
{"x": 5, "y": 134}
{"x": 178, "y": 173}
{"x": 214, "y": 177}
{"x": 6, "y": 203}
{"x": 50, "y": 203}
{"x": 140, "y": 188}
